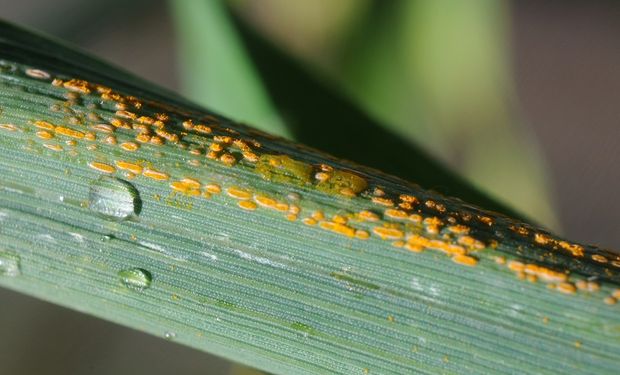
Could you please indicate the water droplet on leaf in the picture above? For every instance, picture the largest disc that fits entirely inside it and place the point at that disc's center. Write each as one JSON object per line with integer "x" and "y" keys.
{"x": 114, "y": 198}
{"x": 106, "y": 238}
{"x": 170, "y": 335}
{"x": 136, "y": 278}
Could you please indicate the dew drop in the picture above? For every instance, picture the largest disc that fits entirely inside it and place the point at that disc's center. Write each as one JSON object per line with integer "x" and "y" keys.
{"x": 170, "y": 335}
{"x": 106, "y": 238}
{"x": 114, "y": 198}
{"x": 9, "y": 264}
{"x": 136, "y": 278}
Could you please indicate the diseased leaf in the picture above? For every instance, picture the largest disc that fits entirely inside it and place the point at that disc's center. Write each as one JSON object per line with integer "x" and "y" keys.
{"x": 145, "y": 210}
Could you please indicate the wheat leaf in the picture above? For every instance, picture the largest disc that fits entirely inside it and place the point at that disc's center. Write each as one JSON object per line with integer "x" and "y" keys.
{"x": 138, "y": 207}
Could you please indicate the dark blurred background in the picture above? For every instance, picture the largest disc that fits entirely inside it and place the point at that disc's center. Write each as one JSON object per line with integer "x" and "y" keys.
{"x": 518, "y": 96}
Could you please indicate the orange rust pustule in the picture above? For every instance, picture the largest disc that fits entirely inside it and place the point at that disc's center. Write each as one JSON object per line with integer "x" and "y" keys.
{"x": 411, "y": 221}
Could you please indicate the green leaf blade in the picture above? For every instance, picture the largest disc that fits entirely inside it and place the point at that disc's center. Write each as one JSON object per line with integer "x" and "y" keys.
{"x": 236, "y": 266}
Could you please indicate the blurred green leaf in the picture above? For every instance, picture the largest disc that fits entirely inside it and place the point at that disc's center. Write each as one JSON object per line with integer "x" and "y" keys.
{"x": 216, "y": 70}
{"x": 312, "y": 30}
